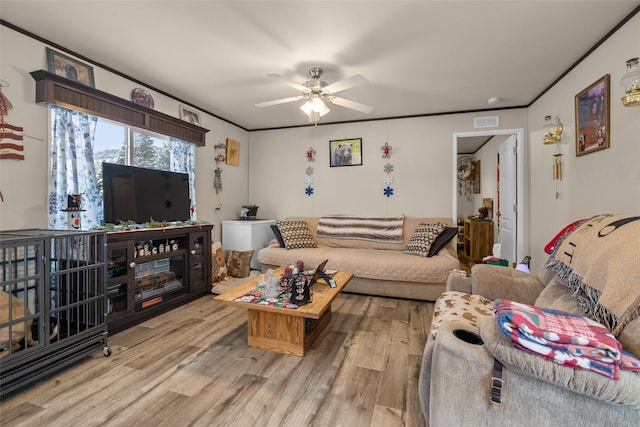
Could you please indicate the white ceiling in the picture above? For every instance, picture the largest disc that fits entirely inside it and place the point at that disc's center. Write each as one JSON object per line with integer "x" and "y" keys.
{"x": 420, "y": 57}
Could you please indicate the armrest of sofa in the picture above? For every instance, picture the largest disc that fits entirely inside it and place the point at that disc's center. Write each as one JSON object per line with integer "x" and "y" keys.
{"x": 624, "y": 391}
{"x": 458, "y": 283}
{"x": 493, "y": 282}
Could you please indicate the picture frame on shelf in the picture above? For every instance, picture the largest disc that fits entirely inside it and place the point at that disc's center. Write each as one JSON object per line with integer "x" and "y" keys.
{"x": 345, "y": 152}
{"x": 69, "y": 68}
{"x": 592, "y": 117}
{"x": 189, "y": 115}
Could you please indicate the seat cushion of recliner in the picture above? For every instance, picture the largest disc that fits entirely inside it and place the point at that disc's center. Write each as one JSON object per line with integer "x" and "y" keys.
{"x": 625, "y": 391}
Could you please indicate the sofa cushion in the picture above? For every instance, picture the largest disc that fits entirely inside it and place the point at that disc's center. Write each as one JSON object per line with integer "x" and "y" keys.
{"x": 625, "y": 391}
{"x": 277, "y": 235}
{"x": 422, "y": 238}
{"x": 443, "y": 238}
{"x": 296, "y": 235}
{"x": 368, "y": 263}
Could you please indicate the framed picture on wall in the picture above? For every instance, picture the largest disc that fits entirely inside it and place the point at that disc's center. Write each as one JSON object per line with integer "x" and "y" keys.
{"x": 592, "y": 117}
{"x": 189, "y": 115}
{"x": 64, "y": 66}
{"x": 345, "y": 152}
{"x": 233, "y": 152}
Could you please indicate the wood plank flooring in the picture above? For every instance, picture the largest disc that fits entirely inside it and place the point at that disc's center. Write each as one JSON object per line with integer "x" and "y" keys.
{"x": 192, "y": 367}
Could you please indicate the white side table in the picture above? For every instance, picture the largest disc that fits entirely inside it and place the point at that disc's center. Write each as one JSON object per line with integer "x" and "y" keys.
{"x": 247, "y": 235}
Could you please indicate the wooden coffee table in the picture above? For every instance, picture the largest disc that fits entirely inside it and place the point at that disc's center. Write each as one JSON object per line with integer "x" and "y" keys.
{"x": 286, "y": 330}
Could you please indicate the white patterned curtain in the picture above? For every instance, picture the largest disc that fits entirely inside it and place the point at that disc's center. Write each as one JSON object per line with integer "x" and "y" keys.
{"x": 183, "y": 160}
{"x": 71, "y": 170}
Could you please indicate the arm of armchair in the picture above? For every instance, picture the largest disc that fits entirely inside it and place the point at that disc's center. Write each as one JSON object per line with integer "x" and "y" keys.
{"x": 493, "y": 282}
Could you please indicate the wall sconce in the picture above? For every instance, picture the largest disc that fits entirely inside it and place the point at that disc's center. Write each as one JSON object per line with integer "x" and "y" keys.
{"x": 311, "y": 155}
{"x": 631, "y": 83}
{"x": 386, "y": 150}
{"x": 552, "y": 131}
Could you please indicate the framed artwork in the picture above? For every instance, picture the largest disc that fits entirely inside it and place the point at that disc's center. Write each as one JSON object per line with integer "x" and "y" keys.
{"x": 233, "y": 152}
{"x": 345, "y": 152}
{"x": 62, "y": 65}
{"x": 592, "y": 117}
{"x": 189, "y": 115}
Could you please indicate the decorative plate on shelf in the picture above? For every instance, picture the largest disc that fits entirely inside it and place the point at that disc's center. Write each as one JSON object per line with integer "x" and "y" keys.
{"x": 142, "y": 97}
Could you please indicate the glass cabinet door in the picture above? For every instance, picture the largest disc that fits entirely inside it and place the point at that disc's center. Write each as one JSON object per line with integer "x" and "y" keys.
{"x": 199, "y": 260}
{"x": 119, "y": 258}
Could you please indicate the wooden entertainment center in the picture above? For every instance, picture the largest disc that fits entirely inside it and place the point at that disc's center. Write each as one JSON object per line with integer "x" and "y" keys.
{"x": 150, "y": 271}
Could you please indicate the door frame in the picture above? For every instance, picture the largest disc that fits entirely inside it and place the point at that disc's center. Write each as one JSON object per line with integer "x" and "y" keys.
{"x": 519, "y": 133}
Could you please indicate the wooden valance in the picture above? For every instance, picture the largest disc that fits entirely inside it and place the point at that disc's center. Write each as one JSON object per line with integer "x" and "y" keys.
{"x": 56, "y": 90}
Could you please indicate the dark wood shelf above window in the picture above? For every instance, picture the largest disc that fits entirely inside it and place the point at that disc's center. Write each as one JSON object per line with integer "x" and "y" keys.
{"x": 55, "y": 90}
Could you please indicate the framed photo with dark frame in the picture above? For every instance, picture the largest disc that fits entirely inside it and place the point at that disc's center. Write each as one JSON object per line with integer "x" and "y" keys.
{"x": 64, "y": 66}
{"x": 592, "y": 117}
{"x": 345, "y": 152}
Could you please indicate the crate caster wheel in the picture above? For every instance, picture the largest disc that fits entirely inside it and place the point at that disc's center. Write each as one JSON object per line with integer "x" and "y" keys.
{"x": 106, "y": 351}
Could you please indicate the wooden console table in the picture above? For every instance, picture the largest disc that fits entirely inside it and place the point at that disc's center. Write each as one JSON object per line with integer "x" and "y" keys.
{"x": 478, "y": 238}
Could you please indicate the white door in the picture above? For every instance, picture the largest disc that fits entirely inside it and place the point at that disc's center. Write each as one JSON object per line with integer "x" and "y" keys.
{"x": 507, "y": 187}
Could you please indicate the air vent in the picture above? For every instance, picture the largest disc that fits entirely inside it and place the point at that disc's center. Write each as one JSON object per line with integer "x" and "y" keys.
{"x": 486, "y": 122}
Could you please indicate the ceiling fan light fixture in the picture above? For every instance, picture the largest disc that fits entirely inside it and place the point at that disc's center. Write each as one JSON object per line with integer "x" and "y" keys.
{"x": 315, "y": 106}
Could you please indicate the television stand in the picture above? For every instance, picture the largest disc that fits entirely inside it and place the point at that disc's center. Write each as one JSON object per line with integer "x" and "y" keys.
{"x": 151, "y": 271}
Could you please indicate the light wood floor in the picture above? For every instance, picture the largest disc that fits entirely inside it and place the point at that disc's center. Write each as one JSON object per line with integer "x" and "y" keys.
{"x": 192, "y": 366}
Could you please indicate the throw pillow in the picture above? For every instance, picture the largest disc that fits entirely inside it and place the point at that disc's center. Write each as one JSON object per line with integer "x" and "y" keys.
{"x": 443, "y": 238}
{"x": 296, "y": 235}
{"x": 276, "y": 232}
{"x": 422, "y": 239}
{"x": 218, "y": 266}
{"x": 239, "y": 263}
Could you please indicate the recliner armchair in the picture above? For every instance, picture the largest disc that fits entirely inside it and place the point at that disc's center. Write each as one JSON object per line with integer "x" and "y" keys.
{"x": 472, "y": 375}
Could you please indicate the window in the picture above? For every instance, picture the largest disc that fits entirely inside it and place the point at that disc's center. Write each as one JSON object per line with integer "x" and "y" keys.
{"x": 81, "y": 143}
{"x": 116, "y": 143}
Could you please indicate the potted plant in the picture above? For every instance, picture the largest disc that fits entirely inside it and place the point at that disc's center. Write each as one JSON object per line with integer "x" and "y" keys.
{"x": 252, "y": 210}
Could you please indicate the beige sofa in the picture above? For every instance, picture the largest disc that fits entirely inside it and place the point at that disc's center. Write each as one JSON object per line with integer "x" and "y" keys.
{"x": 533, "y": 390}
{"x": 379, "y": 268}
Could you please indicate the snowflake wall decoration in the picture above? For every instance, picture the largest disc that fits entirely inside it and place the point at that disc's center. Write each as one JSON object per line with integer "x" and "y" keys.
{"x": 308, "y": 179}
{"x": 308, "y": 191}
{"x": 388, "y": 191}
{"x": 388, "y": 168}
{"x": 309, "y": 170}
{"x": 388, "y": 180}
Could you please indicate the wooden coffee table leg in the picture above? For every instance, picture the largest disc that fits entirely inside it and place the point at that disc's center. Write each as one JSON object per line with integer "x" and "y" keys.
{"x": 282, "y": 332}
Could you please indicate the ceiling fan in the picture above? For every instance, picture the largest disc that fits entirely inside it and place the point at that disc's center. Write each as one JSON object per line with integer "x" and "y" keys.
{"x": 317, "y": 91}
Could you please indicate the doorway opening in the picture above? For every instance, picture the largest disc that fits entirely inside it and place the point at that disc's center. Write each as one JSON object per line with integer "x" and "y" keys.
{"x": 511, "y": 172}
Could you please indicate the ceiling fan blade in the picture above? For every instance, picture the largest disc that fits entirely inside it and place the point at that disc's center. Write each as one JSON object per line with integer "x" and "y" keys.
{"x": 278, "y": 101}
{"x": 347, "y": 83}
{"x": 351, "y": 104}
{"x": 288, "y": 82}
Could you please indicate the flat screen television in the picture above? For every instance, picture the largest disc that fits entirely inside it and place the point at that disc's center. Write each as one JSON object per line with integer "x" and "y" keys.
{"x": 140, "y": 194}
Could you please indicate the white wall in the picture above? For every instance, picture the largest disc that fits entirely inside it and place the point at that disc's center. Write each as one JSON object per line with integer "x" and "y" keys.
{"x": 606, "y": 181}
{"x": 24, "y": 183}
{"x": 422, "y": 157}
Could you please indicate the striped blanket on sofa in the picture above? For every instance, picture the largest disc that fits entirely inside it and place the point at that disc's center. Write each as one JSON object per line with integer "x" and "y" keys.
{"x": 362, "y": 228}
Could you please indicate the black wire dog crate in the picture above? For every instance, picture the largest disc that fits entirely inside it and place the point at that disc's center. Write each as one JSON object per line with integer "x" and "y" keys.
{"x": 52, "y": 302}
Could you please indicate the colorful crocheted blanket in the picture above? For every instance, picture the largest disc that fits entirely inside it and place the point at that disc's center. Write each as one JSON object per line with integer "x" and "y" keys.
{"x": 564, "y": 338}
